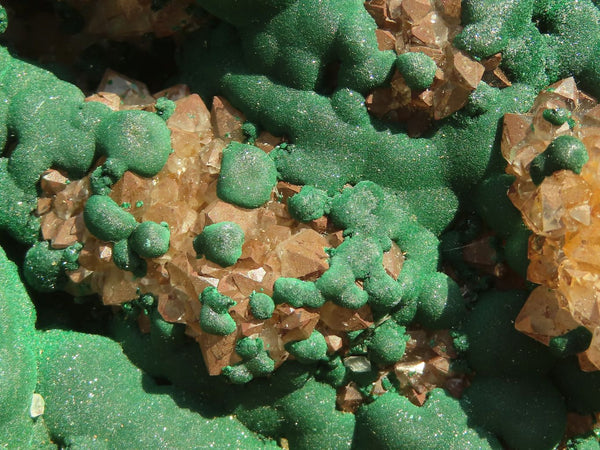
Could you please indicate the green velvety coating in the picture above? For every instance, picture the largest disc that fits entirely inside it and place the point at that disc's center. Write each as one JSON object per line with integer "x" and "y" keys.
{"x": 293, "y": 405}
{"x": 372, "y": 217}
{"x": 527, "y": 413}
{"x": 417, "y": 68}
{"x": 388, "y": 343}
{"x": 261, "y": 305}
{"x": 435, "y": 171}
{"x": 136, "y": 141}
{"x": 309, "y": 351}
{"x": 294, "y": 40}
{"x": 167, "y": 353}
{"x": 220, "y": 243}
{"x": 564, "y": 153}
{"x": 494, "y": 346}
{"x": 541, "y": 41}
{"x": 304, "y": 411}
{"x": 150, "y": 239}
{"x": 495, "y": 207}
{"x": 214, "y": 316}
{"x": 44, "y": 267}
{"x": 247, "y": 176}
{"x": 516, "y": 248}
{"x": 589, "y": 441}
{"x": 440, "y": 303}
{"x": 255, "y": 362}
{"x": 86, "y": 377}
{"x": 126, "y": 259}
{"x": 17, "y": 208}
{"x": 106, "y": 220}
{"x": 297, "y": 293}
{"x": 334, "y": 373}
{"x": 580, "y": 389}
{"x": 37, "y": 107}
{"x": 308, "y": 204}
{"x": 18, "y": 353}
{"x": 393, "y": 422}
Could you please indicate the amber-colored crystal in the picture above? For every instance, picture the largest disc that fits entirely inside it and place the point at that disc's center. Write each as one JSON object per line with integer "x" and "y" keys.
{"x": 564, "y": 248}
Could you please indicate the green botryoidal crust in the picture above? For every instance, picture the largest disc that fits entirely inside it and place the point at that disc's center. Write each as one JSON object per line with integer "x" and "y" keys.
{"x": 125, "y": 258}
{"x": 255, "y": 362}
{"x": 150, "y": 239}
{"x": 44, "y": 268}
{"x": 309, "y": 204}
{"x": 36, "y": 107}
{"x": 297, "y": 293}
{"x": 18, "y": 357}
{"x": 388, "y": 343}
{"x": 106, "y": 220}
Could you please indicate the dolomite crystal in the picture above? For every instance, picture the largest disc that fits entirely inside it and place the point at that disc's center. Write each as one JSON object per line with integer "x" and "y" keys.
{"x": 562, "y": 212}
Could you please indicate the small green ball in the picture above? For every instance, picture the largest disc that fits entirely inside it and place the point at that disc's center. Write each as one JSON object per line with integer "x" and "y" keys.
{"x": 150, "y": 240}
{"x": 261, "y": 306}
{"x": 388, "y": 343}
{"x": 564, "y": 153}
{"x": 164, "y": 108}
{"x": 417, "y": 68}
{"x": 309, "y": 351}
{"x": 308, "y": 204}
{"x": 43, "y": 268}
{"x": 221, "y": 243}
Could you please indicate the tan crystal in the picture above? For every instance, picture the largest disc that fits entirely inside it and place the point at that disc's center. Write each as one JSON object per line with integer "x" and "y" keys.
{"x": 52, "y": 182}
{"x": 349, "y": 398}
{"x": 226, "y": 120}
{"x": 338, "y": 318}
{"x": 131, "y": 92}
{"x": 562, "y": 212}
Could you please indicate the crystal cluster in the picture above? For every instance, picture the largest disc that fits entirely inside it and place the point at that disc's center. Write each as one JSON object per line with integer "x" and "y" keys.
{"x": 563, "y": 214}
{"x": 427, "y": 26}
{"x": 184, "y": 195}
